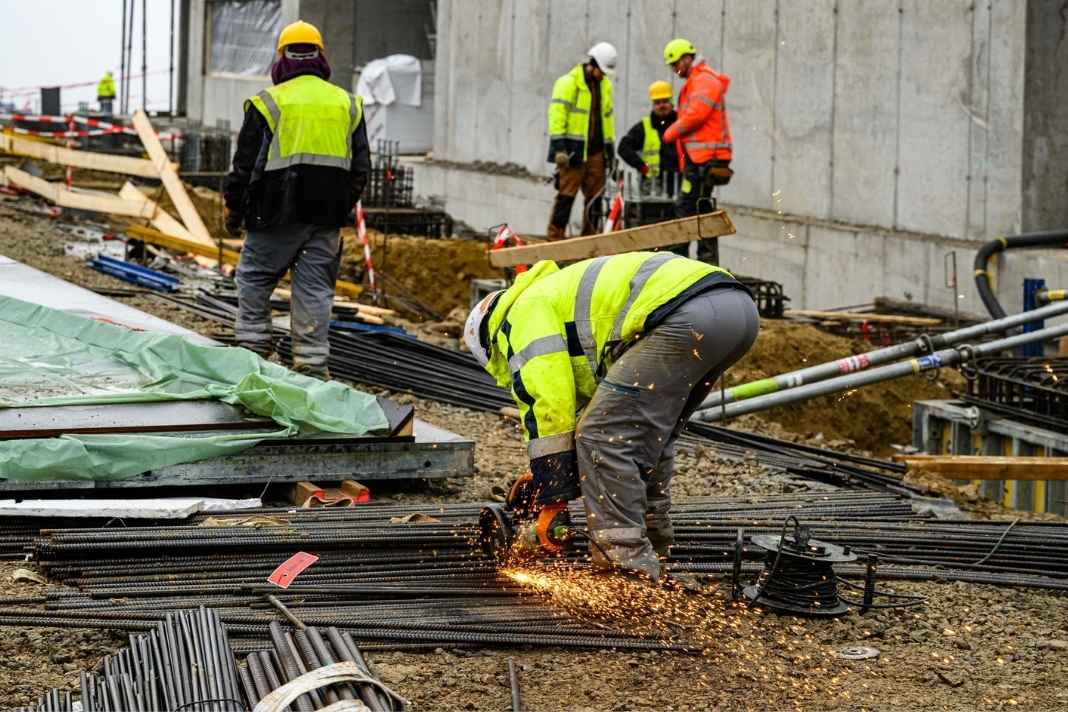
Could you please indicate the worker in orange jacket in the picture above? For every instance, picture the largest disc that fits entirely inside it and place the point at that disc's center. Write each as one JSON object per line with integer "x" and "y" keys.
{"x": 701, "y": 134}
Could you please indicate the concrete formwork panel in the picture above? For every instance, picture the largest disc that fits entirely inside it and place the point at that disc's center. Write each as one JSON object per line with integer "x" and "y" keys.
{"x": 465, "y": 82}
{"x": 701, "y": 23}
{"x": 531, "y": 86}
{"x": 749, "y": 58}
{"x": 902, "y": 264}
{"x": 765, "y": 248}
{"x": 840, "y": 268}
{"x": 804, "y": 108}
{"x": 865, "y": 112}
{"x": 494, "y": 86}
{"x": 978, "y": 108}
{"x": 650, "y": 29}
{"x": 610, "y": 22}
{"x": 1004, "y": 182}
{"x": 935, "y": 94}
{"x": 567, "y": 35}
{"x": 445, "y": 56}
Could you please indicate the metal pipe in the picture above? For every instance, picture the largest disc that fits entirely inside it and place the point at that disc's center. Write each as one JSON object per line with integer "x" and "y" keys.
{"x": 938, "y": 359}
{"x": 850, "y": 364}
{"x": 513, "y": 678}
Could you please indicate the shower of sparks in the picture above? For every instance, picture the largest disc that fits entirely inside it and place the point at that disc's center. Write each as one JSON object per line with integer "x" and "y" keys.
{"x": 731, "y": 637}
{"x": 777, "y": 198}
{"x": 845, "y": 395}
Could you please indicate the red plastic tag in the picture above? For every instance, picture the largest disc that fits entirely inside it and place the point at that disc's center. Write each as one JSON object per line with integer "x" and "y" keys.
{"x": 291, "y": 568}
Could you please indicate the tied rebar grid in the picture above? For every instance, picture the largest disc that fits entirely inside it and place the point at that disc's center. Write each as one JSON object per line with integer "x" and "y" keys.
{"x": 1034, "y": 390}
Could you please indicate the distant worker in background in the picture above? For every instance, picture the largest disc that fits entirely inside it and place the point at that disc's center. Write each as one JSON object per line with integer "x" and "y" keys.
{"x": 702, "y": 134}
{"x": 643, "y": 147}
{"x": 301, "y": 164}
{"x": 105, "y": 93}
{"x": 581, "y": 136}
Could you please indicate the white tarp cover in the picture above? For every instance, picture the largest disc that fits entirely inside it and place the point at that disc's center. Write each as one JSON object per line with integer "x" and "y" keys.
{"x": 397, "y": 78}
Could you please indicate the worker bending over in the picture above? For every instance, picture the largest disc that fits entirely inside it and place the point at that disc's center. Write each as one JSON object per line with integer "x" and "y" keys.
{"x": 581, "y": 136}
{"x": 643, "y": 148}
{"x": 302, "y": 162}
{"x": 606, "y": 359}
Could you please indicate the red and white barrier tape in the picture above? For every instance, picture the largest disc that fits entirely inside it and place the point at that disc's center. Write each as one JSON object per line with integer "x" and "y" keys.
{"x": 100, "y": 127}
{"x": 615, "y": 214}
{"x": 361, "y": 230}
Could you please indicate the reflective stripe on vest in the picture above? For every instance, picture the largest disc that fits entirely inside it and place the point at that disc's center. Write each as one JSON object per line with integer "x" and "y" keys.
{"x": 311, "y": 123}
{"x": 650, "y": 144}
{"x": 637, "y": 284}
{"x": 583, "y": 308}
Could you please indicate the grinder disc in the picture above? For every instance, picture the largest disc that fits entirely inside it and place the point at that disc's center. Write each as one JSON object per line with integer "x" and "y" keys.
{"x": 495, "y": 532}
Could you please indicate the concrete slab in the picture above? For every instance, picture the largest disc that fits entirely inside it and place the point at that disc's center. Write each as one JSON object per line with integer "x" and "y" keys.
{"x": 649, "y": 30}
{"x": 493, "y": 121}
{"x": 840, "y": 268}
{"x": 701, "y": 23}
{"x": 804, "y": 119}
{"x": 932, "y": 189}
{"x": 978, "y": 108}
{"x": 749, "y": 58}
{"x": 532, "y": 81}
{"x": 1005, "y": 145}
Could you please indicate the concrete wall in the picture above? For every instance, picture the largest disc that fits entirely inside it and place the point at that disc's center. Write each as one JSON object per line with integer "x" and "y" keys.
{"x": 1045, "y": 161}
{"x": 904, "y": 114}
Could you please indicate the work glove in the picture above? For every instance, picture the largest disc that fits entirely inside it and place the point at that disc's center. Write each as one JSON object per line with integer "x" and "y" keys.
{"x": 644, "y": 170}
{"x": 562, "y": 160}
{"x": 234, "y": 223}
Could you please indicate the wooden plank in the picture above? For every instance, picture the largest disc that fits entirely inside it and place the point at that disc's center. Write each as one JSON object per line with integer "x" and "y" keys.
{"x": 79, "y": 159}
{"x": 983, "y": 467}
{"x": 230, "y": 257}
{"x": 58, "y": 194}
{"x": 166, "y": 173}
{"x": 862, "y": 316}
{"x": 160, "y": 218}
{"x": 672, "y": 232}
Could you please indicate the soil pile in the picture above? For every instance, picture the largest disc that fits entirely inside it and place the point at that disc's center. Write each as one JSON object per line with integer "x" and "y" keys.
{"x": 873, "y": 417}
{"x": 437, "y": 272}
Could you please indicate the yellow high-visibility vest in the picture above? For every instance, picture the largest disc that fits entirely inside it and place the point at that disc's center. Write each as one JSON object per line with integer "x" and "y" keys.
{"x": 569, "y": 112}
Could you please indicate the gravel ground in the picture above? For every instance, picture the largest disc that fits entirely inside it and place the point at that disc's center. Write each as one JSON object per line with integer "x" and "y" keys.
{"x": 971, "y": 647}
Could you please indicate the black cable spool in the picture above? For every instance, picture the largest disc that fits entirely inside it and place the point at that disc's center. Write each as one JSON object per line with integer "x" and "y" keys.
{"x": 798, "y": 575}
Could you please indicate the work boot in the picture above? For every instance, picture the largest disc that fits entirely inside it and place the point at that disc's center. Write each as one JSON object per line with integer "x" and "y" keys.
{"x": 263, "y": 349}
{"x": 619, "y": 553}
{"x": 660, "y": 532}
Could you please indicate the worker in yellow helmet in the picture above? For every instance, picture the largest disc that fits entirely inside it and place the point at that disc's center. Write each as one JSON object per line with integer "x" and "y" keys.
{"x": 302, "y": 162}
{"x": 643, "y": 147}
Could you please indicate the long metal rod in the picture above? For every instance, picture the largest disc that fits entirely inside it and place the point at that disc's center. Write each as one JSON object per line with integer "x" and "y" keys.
{"x": 936, "y": 360}
{"x": 859, "y": 362}
{"x": 513, "y": 679}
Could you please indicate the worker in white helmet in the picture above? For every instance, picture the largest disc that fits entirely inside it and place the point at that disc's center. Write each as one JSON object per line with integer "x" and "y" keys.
{"x": 581, "y": 135}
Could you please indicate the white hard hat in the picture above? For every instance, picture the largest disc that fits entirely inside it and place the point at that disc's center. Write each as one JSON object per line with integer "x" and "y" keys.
{"x": 605, "y": 55}
{"x": 473, "y": 327}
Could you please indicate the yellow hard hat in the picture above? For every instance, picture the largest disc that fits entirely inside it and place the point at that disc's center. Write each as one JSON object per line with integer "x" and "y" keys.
{"x": 300, "y": 32}
{"x": 659, "y": 90}
{"x": 676, "y": 48}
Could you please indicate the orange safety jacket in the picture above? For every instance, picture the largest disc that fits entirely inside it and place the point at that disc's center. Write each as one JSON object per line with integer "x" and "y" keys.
{"x": 702, "y": 131}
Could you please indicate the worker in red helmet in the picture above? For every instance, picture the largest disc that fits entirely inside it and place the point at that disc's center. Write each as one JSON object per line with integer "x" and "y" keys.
{"x": 302, "y": 162}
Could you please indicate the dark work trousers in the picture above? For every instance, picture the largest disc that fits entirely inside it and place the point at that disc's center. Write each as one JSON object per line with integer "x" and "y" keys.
{"x": 695, "y": 197}
{"x": 311, "y": 252}
{"x": 589, "y": 177}
{"x": 625, "y": 438}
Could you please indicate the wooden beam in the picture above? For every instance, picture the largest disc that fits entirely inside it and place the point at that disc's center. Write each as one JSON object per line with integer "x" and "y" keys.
{"x": 862, "y": 316}
{"x": 79, "y": 159}
{"x": 672, "y": 232}
{"x": 59, "y": 194}
{"x": 166, "y": 173}
{"x": 180, "y": 244}
{"x": 982, "y": 467}
{"x": 160, "y": 218}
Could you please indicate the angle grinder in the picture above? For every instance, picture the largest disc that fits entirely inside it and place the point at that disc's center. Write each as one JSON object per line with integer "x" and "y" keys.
{"x": 504, "y": 534}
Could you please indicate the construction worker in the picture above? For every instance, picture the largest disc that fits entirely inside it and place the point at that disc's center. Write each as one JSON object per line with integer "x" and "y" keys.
{"x": 642, "y": 148}
{"x": 105, "y": 93}
{"x": 607, "y": 359}
{"x": 581, "y": 136}
{"x": 301, "y": 164}
{"x": 701, "y": 132}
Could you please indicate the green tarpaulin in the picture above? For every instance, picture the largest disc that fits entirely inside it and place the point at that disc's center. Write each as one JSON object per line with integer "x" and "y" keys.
{"x": 50, "y": 357}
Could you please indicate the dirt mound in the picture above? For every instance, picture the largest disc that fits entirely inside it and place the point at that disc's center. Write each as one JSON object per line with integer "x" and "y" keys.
{"x": 437, "y": 272}
{"x": 874, "y": 417}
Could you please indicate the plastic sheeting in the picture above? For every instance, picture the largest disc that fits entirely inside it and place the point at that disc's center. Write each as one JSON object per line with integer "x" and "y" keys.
{"x": 243, "y": 36}
{"x": 50, "y": 357}
{"x": 396, "y": 79}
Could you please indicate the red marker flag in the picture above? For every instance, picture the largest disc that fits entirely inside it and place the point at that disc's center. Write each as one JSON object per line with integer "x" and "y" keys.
{"x": 291, "y": 568}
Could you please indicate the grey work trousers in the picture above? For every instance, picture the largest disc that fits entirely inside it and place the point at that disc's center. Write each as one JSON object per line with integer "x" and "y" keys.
{"x": 625, "y": 438}
{"x": 312, "y": 254}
